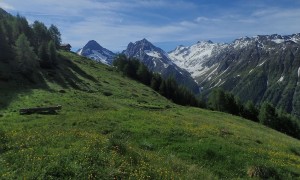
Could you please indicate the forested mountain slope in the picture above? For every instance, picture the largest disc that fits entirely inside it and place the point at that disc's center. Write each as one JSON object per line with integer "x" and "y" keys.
{"x": 261, "y": 68}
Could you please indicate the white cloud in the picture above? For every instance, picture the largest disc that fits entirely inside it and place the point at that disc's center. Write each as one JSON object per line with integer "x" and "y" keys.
{"x": 115, "y": 23}
{"x": 6, "y": 6}
{"x": 205, "y": 19}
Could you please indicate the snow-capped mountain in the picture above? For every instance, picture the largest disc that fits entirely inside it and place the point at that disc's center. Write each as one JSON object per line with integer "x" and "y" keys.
{"x": 260, "y": 68}
{"x": 158, "y": 60}
{"x": 96, "y": 52}
{"x": 194, "y": 57}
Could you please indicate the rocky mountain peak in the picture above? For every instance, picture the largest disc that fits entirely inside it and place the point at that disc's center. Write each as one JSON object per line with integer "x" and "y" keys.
{"x": 92, "y": 44}
{"x": 95, "y": 51}
{"x": 205, "y": 42}
{"x": 158, "y": 61}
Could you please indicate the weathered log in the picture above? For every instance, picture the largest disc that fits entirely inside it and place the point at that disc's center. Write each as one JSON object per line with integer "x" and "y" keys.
{"x": 42, "y": 110}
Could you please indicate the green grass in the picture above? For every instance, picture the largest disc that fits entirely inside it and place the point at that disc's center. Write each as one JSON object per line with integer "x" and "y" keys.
{"x": 113, "y": 127}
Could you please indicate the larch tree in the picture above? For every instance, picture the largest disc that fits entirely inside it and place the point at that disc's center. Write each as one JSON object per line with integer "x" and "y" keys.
{"x": 25, "y": 57}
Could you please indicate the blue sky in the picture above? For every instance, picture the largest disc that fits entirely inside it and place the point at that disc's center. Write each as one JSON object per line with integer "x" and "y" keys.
{"x": 166, "y": 23}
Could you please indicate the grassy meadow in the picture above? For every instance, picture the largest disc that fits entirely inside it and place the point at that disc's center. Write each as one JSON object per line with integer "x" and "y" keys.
{"x": 111, "y": 127}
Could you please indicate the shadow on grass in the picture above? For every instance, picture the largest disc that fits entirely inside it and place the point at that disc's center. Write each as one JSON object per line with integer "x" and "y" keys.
{"x": 18, "y": 83}
{"x": 66, "y": 74}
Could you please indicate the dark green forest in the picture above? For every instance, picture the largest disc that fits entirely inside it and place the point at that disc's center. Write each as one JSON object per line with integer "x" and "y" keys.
{"x": 25, "y": 48}
{"x": 168, "y": 88}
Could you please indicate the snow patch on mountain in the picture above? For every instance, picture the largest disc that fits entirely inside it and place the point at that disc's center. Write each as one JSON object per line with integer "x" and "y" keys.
{"x": 278, "y": 41}
{"x": 281, "y": 79}
{"x": 192, "y": 58}
{"x": 241, "y": 42}
{"x": 153, "y": 54}
{"x": 98, "y": 57}
{"x": 262, "y": 63}
{"x": 154, "y": 63}
{"x": 80, "y": 51}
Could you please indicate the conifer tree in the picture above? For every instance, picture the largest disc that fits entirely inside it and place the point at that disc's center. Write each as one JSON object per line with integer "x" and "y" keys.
{"x": 5, "y": 49}
{"x": 52, "y": 53}
{"x": 43, "y": 55}
{"x": 156, "y": 81}
{"x": 250, "y": 111}
{"x": 55, "y": 35}
{"x": 25, "y": 57}
{"x": 267, "y": 115}
{"x": 217, "y": 100}
{"x": 41, "y": 34}
{"x": 143, "y": 74}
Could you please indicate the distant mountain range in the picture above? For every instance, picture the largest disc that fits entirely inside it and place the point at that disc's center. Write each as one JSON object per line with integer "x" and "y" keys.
{"x": 260, "y": 68}
{"x": 153, "y": 57}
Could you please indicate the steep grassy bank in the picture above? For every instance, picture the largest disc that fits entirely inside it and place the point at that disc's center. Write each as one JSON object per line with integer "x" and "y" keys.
{"x": 113, "y": 127}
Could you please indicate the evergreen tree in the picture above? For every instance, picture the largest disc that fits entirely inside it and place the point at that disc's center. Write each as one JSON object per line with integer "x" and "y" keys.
{"x": 143, "y": 74}
{"x": 217, "y": 100}
{"x": 41, "y": 34}
{"x": 52, "y": 53}
{"x": 120, "y": 61}
{"x": 25, "y": 57}
{"x": 23, "y": 27}
{"x": 250, "y": 111}
{"x": 8, "y": 31}
{"x": 288, "y": 125}
{"x": 162, "y": 88}
{"x": 5, "y": 49}
{"x": 43, "y": 55}
{"x": 55, "y": 35}
{"x": 230, "y": 104}
{"x": 156, "y": 80}
{"x": 239, "y": 105}
{"x": 267, "y": 115}
{"x": 171, "y": 87}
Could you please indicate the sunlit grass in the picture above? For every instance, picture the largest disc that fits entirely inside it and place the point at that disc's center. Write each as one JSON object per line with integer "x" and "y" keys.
{"x": 132, "y": 133}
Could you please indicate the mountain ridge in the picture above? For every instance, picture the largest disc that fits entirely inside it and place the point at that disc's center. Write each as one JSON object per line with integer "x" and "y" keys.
{"x": 242, "y": 67}
{"x": 259, "y": 68}
{"x": 157, "y": 60}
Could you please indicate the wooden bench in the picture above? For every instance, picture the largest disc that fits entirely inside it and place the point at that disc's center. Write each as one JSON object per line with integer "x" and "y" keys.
{"x": 40, "y": 110}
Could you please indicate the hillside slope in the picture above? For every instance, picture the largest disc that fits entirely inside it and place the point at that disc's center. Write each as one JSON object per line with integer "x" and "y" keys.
{"x": 113, "y": 127}
{"x": 260, "y": 68}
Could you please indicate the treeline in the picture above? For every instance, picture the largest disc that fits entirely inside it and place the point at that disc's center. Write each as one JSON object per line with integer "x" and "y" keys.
{"x": 267, "y": 114}
{"x": 27, "y": 46}
{"x": 218, "y": 99}
{"x": 168, "y": 88}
